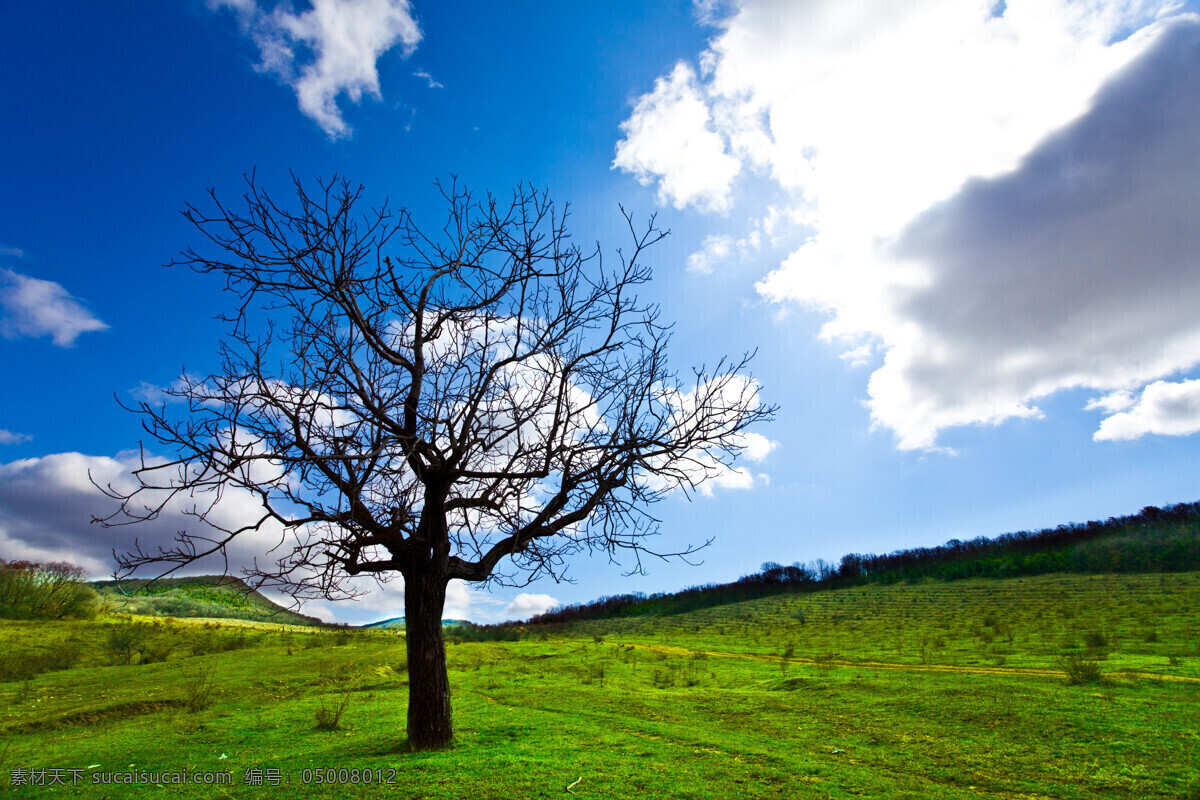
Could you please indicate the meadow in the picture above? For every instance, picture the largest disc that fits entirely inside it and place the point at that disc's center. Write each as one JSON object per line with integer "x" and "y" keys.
{"x": 1053, "y": 686}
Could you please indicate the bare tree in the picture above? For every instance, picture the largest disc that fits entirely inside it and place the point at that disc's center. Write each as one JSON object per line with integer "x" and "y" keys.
{"x": 479, "y": 405}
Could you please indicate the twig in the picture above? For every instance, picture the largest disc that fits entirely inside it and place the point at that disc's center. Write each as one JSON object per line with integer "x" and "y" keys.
{"x": 577, "y": 780}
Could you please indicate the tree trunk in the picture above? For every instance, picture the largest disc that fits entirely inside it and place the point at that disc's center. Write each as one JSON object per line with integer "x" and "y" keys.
{"x": 430, "y": 726}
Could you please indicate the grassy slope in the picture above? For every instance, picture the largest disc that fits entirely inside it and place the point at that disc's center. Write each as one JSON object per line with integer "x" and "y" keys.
{"x": 205, "y": 596}
{"x": 1152, "y": 541}
{"x": 934, "y": 690}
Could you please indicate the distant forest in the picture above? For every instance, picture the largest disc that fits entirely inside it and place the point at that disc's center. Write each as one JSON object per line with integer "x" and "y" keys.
{"x": 1153, "y": 540}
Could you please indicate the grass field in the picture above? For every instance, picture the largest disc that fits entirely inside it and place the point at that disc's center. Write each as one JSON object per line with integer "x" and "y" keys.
{"x": 938, "y": 690}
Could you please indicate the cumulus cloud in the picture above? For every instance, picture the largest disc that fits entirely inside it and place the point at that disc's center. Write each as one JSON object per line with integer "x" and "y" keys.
{"x": 669, "y": 139}
{"x": 34, "y": 307}
{"x": 1164, "y": 408}
{"x": 758, "y": 447}
{"x": 1112, "y": 402}
{"x": 8, "y": 437}
{"x": 526, "y": 605}
{"x": 997, "y": 197}
{"x": 47, "y": 504}
{"x": 332, "y": 49}
{"x": 1078, "y": 269}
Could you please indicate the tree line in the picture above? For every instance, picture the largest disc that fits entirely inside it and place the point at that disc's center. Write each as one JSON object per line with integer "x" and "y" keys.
{"x": 1153, "y": 540}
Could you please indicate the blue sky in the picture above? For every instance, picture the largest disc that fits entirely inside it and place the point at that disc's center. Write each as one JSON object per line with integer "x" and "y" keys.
{"x": 962, "y": 236}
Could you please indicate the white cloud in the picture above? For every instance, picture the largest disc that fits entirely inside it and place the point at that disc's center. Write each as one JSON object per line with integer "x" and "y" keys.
{"x": 329, "y": 50}
{"x": 717, "y": 250}
{"x": 420, "y": 73}
{"x": 47, "y": 504}
{"x": 713, "y": 250}
{"x": 706, "y": 468}
{"x": 758, "y": 446}
{"x": 859, "y": 356}
{"x": 8, "y": 437}
{"x": 1112, "y": 402}
{"x": 34, "y": 307}
{"x": 730, "y": 478}
{"x": 526, "y": 605}
{"x": 1167, "y": 409}
{"x": 979, "y": 214}
{"x": 669, "y": 137}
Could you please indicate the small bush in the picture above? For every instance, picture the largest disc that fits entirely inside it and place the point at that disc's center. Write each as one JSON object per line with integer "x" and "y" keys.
{"x": 824, "y": 662}
{"x": 17, "y": 667}
{"x": 236, "y": 642}
{"x": 663, "y": 679}
{"x": 786, "y": 656}
{"x": 153, "y": 652}
{"x": 329, "y": 716}
{"x": 61, "y": 656}
{"x": 1095, "y": 639}
{"x": 594, "y": 674}
{"x": 124, "y": 641}
{"x": 198, "y": 687}
{"x": 1080, "y": 668}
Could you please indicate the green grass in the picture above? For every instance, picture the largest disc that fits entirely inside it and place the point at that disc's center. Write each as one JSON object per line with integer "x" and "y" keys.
{"x": 204, "y": 596}
{"x": 925, "y": 691}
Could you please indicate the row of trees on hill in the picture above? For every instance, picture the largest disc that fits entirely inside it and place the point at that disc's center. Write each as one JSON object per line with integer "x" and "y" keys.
{"x": 51, "y": 590}
{"x": 1153, "y": 540}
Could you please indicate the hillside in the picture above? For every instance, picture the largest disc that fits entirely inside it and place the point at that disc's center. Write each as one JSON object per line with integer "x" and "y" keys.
{"x": 209, "y": 596}
{"x": 397, "y": 623}
{"x": 1063, "y": 686}
{"x": 1155, "y": 540}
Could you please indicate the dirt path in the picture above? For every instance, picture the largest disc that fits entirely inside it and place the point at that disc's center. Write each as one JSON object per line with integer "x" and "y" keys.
{"x": 971, "y": 670}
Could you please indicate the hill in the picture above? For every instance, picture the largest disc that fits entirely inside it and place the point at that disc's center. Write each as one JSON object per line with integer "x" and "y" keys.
{"x": 956, "y": 690}
{"x": 397, "y": 623}
{"x": 1155, "y": 540}
{"x": 208, "y": 596}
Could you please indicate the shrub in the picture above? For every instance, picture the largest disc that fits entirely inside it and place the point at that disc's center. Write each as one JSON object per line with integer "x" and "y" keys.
{"x": 60, "y": 656}
{"x": 785, "y": 657}
{"x": 1095, "y": 639}
{"x": 151, "y": 652}
{"x": 1080, "y": 668}
{"x": 824, "y": 661}
{"x": 124, "y": 641}
{"x": 51, "y": 590}
{"x": 17, "y": 667}
{"x": 329, "y": 717}
{"x": 198, "y": 687}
